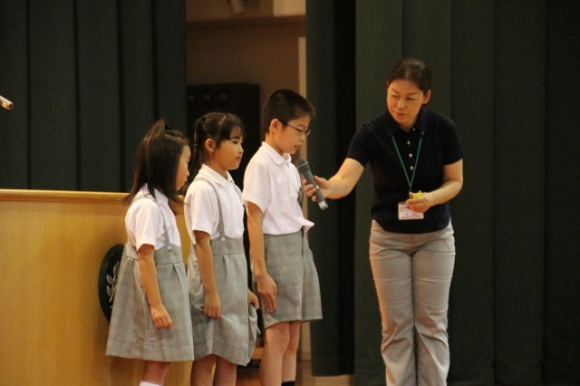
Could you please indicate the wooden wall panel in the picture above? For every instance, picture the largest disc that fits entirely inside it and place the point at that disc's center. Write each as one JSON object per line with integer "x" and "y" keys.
{"x": 212, "y": 49}
{"x": 54, "y": 331}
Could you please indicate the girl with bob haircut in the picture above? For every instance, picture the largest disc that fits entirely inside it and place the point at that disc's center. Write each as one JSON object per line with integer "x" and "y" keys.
{"x": 150, "y": 319}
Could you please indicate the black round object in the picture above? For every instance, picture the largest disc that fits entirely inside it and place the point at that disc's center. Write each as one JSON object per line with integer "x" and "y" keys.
{"x": 108, "y": 278}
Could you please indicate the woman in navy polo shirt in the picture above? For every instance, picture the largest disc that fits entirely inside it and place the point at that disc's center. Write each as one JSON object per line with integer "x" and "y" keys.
{"x": 417, "y": 166}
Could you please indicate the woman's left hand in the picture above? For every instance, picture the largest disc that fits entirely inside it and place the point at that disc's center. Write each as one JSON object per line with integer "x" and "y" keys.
{"x": 421, "y": 203}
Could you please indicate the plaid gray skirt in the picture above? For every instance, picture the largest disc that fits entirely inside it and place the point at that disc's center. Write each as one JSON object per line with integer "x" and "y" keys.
{"x": 132, "y": 333}
{"x": 233, "y": 336}
{"x": 290, "y": 263}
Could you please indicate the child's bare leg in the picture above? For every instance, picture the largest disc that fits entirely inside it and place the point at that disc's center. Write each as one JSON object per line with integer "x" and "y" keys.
{"x": 290, "y": 356}
{"x": 201, "y": 371}
{"x": 277, "y": 340}
{"x": 225, "y": 373}
{"x": 155, "y": 372}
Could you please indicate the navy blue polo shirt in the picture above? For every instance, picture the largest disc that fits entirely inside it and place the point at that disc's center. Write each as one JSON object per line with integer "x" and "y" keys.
{"x": 441, "y": 145}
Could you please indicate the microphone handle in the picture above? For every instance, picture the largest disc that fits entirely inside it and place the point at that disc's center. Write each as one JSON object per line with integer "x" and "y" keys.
{"x": 319, "y": 197}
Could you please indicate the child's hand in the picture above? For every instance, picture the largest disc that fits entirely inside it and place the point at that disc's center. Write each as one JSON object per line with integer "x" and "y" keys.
{"x": 310, "y": 189}
{"x": 161, "y": 317}
{"x": 213, "y": 305}
{"x": 268, "y": 291}
{"x": 253, "y": 300}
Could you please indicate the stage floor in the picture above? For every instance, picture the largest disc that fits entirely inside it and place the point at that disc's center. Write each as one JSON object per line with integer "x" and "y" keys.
{"x": 250, "y": 377}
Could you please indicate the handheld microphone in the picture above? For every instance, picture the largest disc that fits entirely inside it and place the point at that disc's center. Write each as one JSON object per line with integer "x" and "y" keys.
{"x": 6, "y": 103}
{"x": 304, "y": 170}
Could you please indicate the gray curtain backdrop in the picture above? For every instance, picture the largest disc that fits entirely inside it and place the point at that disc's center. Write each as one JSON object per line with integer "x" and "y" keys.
{"x": 87, "y": 80}
{"x": 507, "y": 73}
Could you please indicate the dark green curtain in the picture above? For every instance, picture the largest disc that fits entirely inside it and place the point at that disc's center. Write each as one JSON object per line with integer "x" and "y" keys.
{"x": 561, "y": 360}
{"x": 506, "y": 72}
{"x": 334, "y": 100}
{"x": 87, "y": 80}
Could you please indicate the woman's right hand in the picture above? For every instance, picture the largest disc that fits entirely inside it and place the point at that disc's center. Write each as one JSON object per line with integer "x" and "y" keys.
{"x": 339, "y": 185}
{"x": 161, "y": 317}
{"x": 268, "y": 291}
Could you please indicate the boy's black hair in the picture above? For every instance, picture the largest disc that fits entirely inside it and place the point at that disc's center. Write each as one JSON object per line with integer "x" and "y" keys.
{"x": 285, "y": 105}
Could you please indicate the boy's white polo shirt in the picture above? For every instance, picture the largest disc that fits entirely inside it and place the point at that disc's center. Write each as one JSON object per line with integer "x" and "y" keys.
{"x": 272, "y": 182}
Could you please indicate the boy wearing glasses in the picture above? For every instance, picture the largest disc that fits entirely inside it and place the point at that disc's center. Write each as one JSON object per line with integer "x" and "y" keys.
{"x": 282, "y": 262}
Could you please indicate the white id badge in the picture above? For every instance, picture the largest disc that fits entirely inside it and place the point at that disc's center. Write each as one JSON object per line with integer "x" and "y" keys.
{"x": 408, "y": 214}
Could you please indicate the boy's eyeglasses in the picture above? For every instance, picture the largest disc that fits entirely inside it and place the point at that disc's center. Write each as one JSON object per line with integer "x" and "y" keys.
{"x": 306, "y": 132}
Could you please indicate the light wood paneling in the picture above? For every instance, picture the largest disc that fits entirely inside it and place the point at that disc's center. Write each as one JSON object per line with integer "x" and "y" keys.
{"x": 260, "y": 53}
{"x": 236, "y": 10}
{"x": 52, "y": 328}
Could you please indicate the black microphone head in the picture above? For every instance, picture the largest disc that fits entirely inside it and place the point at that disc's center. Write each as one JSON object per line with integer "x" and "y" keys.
{"x": 302, "y": 165}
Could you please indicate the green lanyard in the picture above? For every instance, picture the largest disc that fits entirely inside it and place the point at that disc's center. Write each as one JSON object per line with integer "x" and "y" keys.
{"x": 409, "y": 181}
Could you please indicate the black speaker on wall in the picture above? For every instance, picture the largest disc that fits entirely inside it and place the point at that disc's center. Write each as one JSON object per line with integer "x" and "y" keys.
{"x": 241, "y": 99}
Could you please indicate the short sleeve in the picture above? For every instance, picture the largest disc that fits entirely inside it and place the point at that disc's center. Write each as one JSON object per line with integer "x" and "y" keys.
{"x": 453, "y": 148}
{"x": 358, "y": 148}
{"x": 257, "y": 183}
{"x": 202, "y": 207}
{"x": 145, "y": 219}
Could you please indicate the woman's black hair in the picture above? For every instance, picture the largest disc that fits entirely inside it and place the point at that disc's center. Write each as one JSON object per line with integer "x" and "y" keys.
{"x": 215, "y": 125}
{"x": 157, "y": 161}
{"x": 285, "y": 105}
{"x": 413, "y": 70}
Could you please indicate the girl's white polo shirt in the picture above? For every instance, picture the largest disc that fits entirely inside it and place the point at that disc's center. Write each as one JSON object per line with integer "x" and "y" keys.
{"x": 144, "y": 221}
{"x": 201, "y": 209}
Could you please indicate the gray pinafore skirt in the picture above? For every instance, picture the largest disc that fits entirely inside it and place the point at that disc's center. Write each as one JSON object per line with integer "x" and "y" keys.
{"x": 233, "y": 336}
{"x": 132, "y": 333}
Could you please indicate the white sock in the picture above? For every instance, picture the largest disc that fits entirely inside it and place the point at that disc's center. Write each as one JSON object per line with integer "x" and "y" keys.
{"x": 143, "y": 383}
